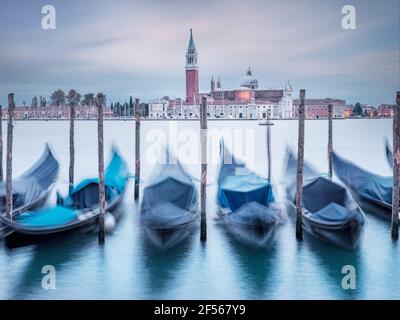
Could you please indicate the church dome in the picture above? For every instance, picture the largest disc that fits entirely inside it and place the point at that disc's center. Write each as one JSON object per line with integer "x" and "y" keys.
{"x": 249, "y": 81}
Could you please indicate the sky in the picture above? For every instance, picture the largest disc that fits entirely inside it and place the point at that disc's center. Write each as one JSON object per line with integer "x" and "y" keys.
{"x": 137, "y": 48}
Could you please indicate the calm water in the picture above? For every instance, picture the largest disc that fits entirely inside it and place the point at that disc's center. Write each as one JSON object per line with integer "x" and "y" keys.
{"x": 128, "y": 268}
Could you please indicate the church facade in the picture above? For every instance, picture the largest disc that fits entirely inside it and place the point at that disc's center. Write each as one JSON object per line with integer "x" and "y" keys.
{"x": 247, "y": 101}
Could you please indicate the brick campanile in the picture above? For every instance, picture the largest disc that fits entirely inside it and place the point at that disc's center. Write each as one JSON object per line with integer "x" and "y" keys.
{"x": 192, "y": 73}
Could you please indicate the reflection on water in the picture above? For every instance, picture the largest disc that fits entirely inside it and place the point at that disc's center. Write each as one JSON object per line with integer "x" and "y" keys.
{"x": 128, "y": 267}
{"x": 254, "y": 266}
{"x": 331, "y": 260}
{"x": 56, "y": 253}
{"x": 161, "y": 267}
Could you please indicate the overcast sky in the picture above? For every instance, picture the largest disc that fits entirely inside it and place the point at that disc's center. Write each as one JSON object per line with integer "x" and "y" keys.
{"x": 138, "y": 48}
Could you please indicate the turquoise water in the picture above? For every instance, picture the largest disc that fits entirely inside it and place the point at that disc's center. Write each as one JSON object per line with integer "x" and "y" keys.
{"x": 127, "y": 267}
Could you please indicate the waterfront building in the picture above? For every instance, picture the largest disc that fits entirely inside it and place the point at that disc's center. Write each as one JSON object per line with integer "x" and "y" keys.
{"x": 386, "y": 110}
{"x": 159, "y": 108}
{"x": 247, "y": 101}
{"x": 58, "y": 112}
{"x": 318, "y": 108}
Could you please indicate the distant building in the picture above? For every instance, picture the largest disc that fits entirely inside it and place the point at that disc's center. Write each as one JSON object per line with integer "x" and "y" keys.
{"x": 386, "y": 110}
{"x": 318, "y": 108}
{"x": 348, "y": 111}
{"x": 248, "y": 101}
{"x": 192, "y": 73}
{"x": 58, "y": 112}
{"x": 158, "y": 108}
{"x": 369, "y": 111}
{"x": 244, "y": 102}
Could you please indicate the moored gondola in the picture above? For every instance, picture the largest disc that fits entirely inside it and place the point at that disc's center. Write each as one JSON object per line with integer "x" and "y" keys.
{"x": 329, "y": 213}
{"x": 246, "y": 202}
{"x": 372, "y": 192}
{"x": 169, "y": 205}
{"x": 32, "y": 188}
{"x": 79, "y": 211}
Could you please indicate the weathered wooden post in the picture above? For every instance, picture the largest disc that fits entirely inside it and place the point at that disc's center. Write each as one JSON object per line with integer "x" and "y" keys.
{"x": 268, "y": 143}
{"x": 10, "y": 127}
{"x": 330, "y": 144}
{"x": 300, "y": 161}
{"x": 73, "y": 98}
{"x": 100, "y": 98}
{"x": 71, "y": 145}
{"x": 203, "y": 180}
{"x": 396, "y": 166}
{"x": 137, "y": 147}
{"x": 269, "y": 124}
{"x": 1, "y": 143}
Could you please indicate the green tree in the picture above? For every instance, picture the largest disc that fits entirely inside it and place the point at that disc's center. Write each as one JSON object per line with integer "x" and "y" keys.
{"x": 73, "y": 97}
{"x": 58, "y": 98}
{"x": 130, "y": 106}
{"x": 357, "y": 110}
{"x": 88, "y": 99}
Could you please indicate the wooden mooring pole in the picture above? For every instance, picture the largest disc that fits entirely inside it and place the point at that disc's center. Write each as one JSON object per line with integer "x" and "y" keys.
{"x": 100, "y": 99}
{"x": 396, "y": 166}
{"x": 330, "y": 143}
{"x": 1, "y": 143}
{"x": 300, "y": 162}
{"x": 269, "y": 147}
{"x": 10, "y": 127}
{"x": 203, "y": 180}
{"x": 71, "y": 146}
{"x": 137, "y": 147}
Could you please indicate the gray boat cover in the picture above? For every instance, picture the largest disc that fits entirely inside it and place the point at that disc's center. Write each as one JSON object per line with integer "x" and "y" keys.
{"x": 170, "y": 199}
{"x": 246, "y": 200}
{"x": 33, "y": 183}
{"x": 237, "y": 185}
{"x": 366, "y": 184}
{"x": 324, "y": 199}
{"x": 252, "y": 214}
{"x": 333, "y": 212}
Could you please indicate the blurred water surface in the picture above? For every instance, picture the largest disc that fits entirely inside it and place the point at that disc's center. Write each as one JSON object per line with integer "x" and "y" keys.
{"x": 127, "y": 267}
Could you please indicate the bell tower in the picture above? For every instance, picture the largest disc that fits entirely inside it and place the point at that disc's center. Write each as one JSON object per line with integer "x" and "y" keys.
{"x": 192, "y": 73}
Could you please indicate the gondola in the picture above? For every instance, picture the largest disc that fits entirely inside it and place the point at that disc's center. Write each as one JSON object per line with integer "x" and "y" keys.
{"x": 246, "y": 202}
{"x": 372, "y": 192}
{"x": 79, "y": 211}
{"x": 32, "y": 188}
{"x": 329, "y": 213}
{"x": 169, "y": 204}
{"x": 389, "y": 153}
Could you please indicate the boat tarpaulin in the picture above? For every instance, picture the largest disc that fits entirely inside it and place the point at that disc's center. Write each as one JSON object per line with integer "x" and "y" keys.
{"x": 236, "y": 190}
{"x": 367, "y": 184}
{"x": 33, "y": 183}
{"x": 170, "y": 196}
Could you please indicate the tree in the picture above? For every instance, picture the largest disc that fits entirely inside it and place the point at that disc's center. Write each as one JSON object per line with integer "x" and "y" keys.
{"x": 357, "y": 110}
{"x": 34, "y": 103}
{"x": 73, "y": 97}
{"x": 131, "y": 106}
{"x": 43, "y": 102}
{"x": 88, "y": 99}
{"x": 58, "y": 97}
{"x": 117, "y": 109}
